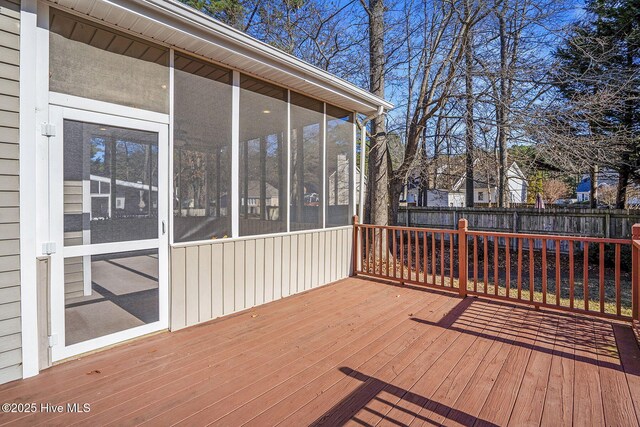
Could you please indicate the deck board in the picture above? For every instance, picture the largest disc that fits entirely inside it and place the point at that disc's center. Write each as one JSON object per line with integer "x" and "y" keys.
{"x": 558, "y": 405}
{"x": 464, "y": 390}
{"x": 587, "y": 404}
{"x": 357, "y": 352}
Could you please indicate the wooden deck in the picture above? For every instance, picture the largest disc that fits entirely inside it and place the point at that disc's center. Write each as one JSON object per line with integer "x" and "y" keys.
{"x": 356, "y": 352}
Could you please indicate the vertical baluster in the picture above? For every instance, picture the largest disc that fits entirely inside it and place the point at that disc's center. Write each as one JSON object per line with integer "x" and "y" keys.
{"x": 531, "y": 270}
{"x": 379, "y": 249}
{"x": 380, "y": 231}
{"x": 571, "y": 274}
{"x": 475, "y": 263}
{"x": 418, "y": 256}
{"x": 451, "y": 260}
{"x": 402, "y": 254}
{"x": 395, "y": 253}
{"x": 507, "y": 251}
{"x": 424, "y": 256}
{"x": 601, "y": 277}
{"x": 409, "y": 254}
{"x": 433, "y": 257}
{"x": 376, "y": 255}
{"x": 372, "y": 249}
{"x": 544, "y": 271}
{"x": 617, "y": 278}
{"x": 358, "y": 249}
{"x": 496, "y": 275}
{"x": 386, "y": 252}
{"x": 442, "y": 273}
{"x": 519, "y": 268}
{"x": 585, "y": 275}
{"x": 558, "y": 279}
{"x": 366, "y": 248}
{"x": 485, "y": 254}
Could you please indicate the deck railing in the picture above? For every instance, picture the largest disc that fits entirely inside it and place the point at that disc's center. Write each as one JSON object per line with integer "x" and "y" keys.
{"x": 596, "y": 276}
{"x": 635, "y": 277}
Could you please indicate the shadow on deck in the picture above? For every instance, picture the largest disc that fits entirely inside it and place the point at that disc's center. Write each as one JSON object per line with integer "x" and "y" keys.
{"x": 358, "y": 352}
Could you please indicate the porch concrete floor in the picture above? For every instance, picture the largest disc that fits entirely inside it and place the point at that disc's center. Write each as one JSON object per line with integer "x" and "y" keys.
{"x": 356, "y": 352}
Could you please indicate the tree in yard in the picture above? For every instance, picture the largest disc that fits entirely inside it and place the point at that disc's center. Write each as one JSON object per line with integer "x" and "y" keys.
{"x": 599, "y": 77}
{"x": 554, "y": 189}
{"x": 607, "y": 195}
{"x": 444, "y": 29}
{"x": 379, "y": 164}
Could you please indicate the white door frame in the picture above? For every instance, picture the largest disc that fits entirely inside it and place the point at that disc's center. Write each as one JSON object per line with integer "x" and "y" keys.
{"x": 57, "y": 115}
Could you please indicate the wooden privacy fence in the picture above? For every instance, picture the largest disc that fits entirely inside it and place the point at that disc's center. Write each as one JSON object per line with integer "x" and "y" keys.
{"x": 596, "y": 276}
{"x": 608, "y": 223}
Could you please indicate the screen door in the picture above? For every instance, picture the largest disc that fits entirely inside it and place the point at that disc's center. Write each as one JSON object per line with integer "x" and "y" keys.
{"x": 109, "y": 202}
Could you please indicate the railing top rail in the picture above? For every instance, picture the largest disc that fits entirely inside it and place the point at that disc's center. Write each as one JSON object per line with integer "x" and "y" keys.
{"x": 549, "y": 237}
{"x": 402, "y": 228}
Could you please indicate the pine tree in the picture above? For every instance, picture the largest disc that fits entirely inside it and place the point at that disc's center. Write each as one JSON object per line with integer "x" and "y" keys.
{"x": 600, "y": 62}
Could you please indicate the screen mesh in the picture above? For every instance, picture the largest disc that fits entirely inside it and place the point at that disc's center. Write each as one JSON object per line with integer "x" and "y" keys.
{"x": 202, "y": 151}
{"x": 339, "y": 160}
{"x": 307, "y": 122}
{"x": 263, "y": 153}
{"x": 91, "y": 61}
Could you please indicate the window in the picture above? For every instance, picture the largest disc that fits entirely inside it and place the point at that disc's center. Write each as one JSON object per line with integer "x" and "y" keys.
{"x": 263, "y": 158}
{"x": 87, "y": 60}
{"x": 307, "y": 118}
{"x": 110, "y": 184}
{"x": 339, "y": 178}
{"x": 201, "y": 151}
{"x": 481, "y": 195}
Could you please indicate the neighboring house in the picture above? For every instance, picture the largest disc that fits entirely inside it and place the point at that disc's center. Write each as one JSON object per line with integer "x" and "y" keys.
{"x": 448, "y": 187}
{"x": 131, "y": 198}
{"x": 606, "y": 178}
{"x": 254, "y": 200}
{"x": 128, "y": 129}
{"x": 339, "y": 189}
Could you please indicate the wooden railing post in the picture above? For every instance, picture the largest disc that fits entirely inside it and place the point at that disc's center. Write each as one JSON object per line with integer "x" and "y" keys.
{"x": 635, "y": 272}
{"x": 463, "y": 259}
{"x": 356, "y": 246}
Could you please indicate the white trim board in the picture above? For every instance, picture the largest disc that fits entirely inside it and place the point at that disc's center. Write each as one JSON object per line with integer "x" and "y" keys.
{"x": 29, "y": 114}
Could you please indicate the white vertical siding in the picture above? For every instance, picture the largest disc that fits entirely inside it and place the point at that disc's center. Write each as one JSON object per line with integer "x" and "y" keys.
{"x": 10, "y": 338}
{"x": 218, "y": 278}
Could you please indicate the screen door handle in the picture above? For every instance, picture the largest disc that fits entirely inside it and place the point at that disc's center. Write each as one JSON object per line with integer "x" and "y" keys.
{"x": 163, "y": 228}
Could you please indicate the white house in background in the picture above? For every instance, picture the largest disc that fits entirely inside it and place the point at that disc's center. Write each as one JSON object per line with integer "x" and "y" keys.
{"x": 339, "y": 189}
{"x": 449, "y": 183}
{"x": 137, "y": 133}
{"x": 485, "y": 184}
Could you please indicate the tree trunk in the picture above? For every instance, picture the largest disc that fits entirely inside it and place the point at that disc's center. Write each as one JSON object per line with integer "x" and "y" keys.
{"x": 593, "y": 190}
{"x": 378, "y": 168}
{"x": 501, "y": 116}
{"x": 469, "y": 107}
{"x": 623, "y": 183}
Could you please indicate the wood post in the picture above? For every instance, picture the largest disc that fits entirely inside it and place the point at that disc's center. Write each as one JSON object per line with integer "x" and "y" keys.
{"x": 635, "y": 271}
{"x": 356, "y": 246}
{"x": 463, "y": 259}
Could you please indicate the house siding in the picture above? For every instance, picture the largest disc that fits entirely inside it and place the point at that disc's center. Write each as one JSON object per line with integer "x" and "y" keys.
{"x": 219, "y": 278}
{"x": 10, "y": 328}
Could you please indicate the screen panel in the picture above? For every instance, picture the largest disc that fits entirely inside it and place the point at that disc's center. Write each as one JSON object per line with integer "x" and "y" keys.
{"x": 263, "y": 157}
{"x": 307, "y": 126}
{"x": 92, "y": 61}
{"x": 340, "y": 184}
{"x": 202, "y": 151}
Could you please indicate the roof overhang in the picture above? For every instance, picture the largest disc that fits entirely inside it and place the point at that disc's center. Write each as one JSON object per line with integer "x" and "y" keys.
{"x": 173, "y": 24}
